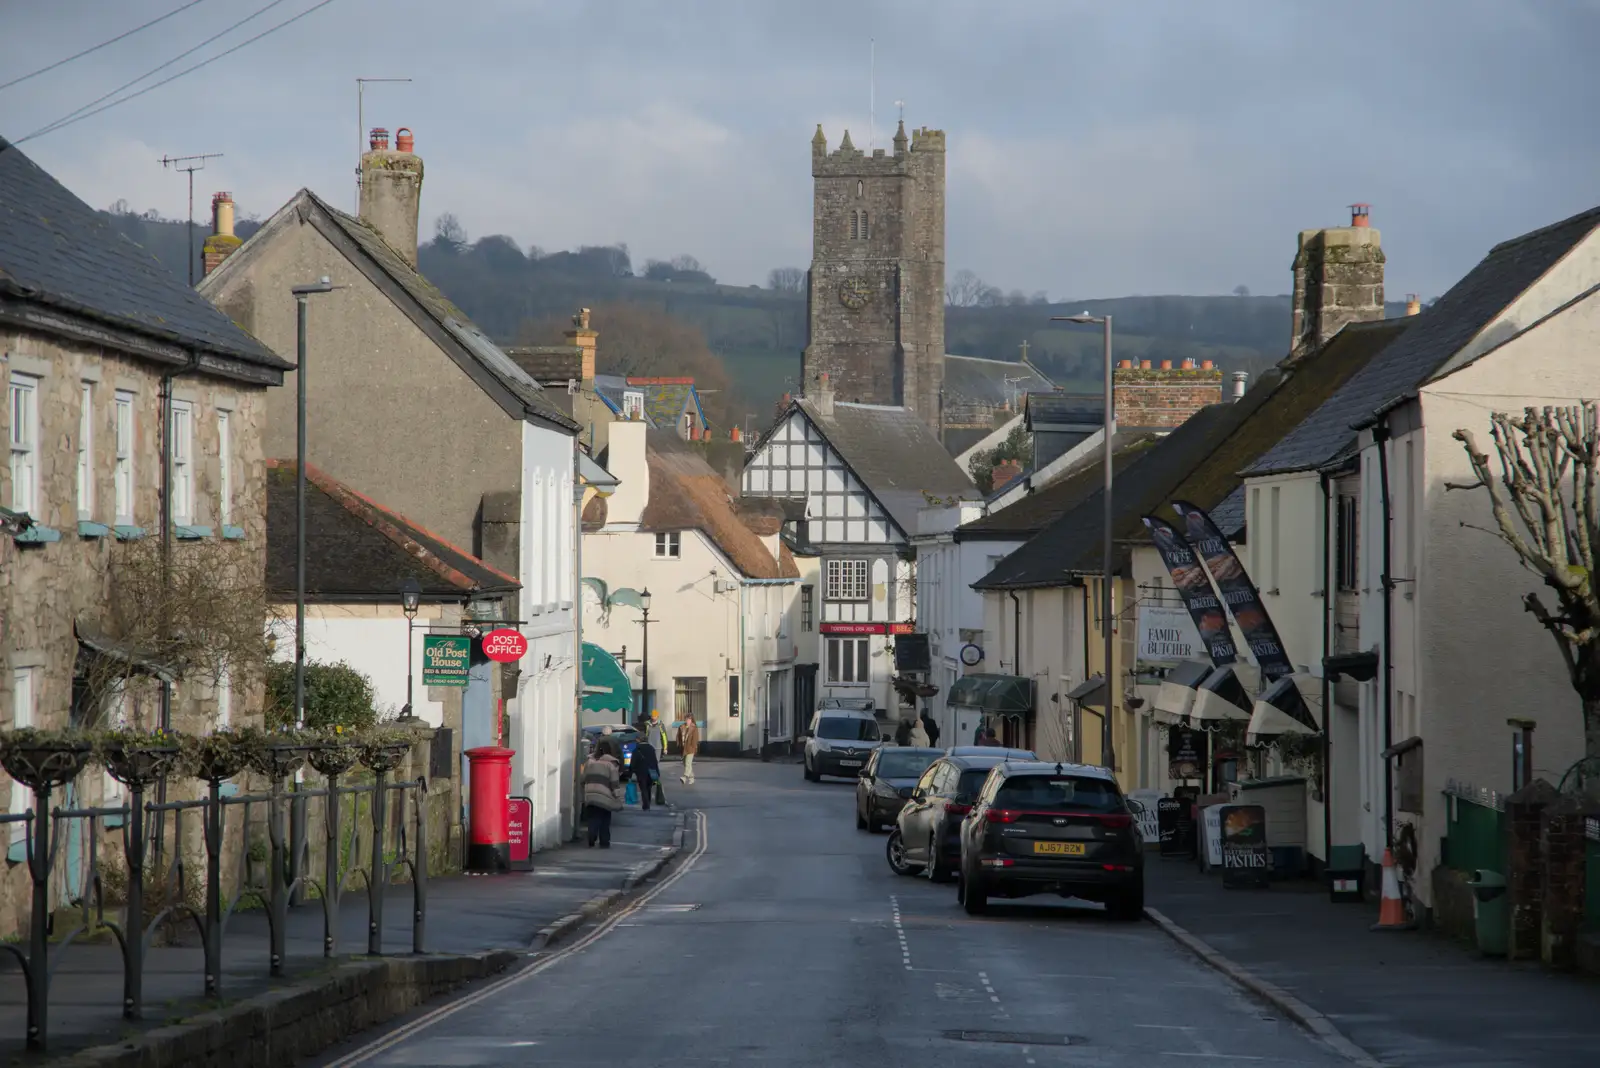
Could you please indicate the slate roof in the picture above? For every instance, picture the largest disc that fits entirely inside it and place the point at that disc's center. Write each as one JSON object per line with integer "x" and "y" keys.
{"x": 958, "y": 439}
{"x": 894, "y": 454}
{"x": 1437, "y": 334}
{"x": 664, "y": 403}
{"x": 686, "y": 494}
{"x": 1030, "y": 514}
{"x": 975, "y": 379}
{"x": 359, "y": 551}
{"x": 1060, "y": 409}
{"x": 56, "y": 250}
{"x": 548, "y": 364}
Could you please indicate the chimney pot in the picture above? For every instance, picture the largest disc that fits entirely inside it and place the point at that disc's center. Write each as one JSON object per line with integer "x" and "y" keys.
{"x": 1126, "y": 365}
{"x": 1413, "y": 304}
{"x": 1144, "y": 365}
{"x": 1166, "y": 365}
{"x": 1359, "y": 214}
{"x": 380, "y": 139}
{"x": 403, "y": 141}
{"x": 222, "y": 214}
{"x": 1205, "y": 365}
{"x": 1240, "y": 378}
{"x": 734, "y": 434}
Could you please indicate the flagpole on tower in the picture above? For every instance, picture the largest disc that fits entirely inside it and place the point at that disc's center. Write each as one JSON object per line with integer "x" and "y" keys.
{"x": 872, "y": 96}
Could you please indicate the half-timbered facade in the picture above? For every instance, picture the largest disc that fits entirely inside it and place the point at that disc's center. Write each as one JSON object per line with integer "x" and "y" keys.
{"x": 863, "y": 471}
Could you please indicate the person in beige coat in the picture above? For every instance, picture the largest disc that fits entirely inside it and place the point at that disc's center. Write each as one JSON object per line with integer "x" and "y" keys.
{"x": 602, "y": 795}
{"x": 689, "y": 743}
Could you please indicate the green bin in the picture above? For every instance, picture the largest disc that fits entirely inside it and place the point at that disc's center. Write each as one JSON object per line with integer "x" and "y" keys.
{"x": 1491, "y": 909}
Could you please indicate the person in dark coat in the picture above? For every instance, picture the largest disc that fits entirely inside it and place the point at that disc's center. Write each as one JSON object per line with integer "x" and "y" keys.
{"x": 902, "y": 733}
{"x": 930, "y": 728}
{"x": 645, "y": 768}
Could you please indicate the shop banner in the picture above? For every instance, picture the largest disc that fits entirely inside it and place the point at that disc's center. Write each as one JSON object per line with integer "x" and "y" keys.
{"x": 1195, "y": 589}
{"x": 1246, "y": 860}
{"x": 1238, "y": 592}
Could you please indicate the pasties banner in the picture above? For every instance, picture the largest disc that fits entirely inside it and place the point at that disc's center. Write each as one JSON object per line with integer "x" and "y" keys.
{"x": 1190, "y": 579}
{"x": 1237, "y": 590}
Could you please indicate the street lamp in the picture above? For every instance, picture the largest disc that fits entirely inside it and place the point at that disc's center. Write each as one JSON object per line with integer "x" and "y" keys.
{"x": 644, "y": 662}
{"x": 410, "y": 601}
{"x": 1107, "y": 755}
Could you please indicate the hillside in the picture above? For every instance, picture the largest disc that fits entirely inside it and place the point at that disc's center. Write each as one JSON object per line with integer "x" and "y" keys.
{"x": 759, "y": 332}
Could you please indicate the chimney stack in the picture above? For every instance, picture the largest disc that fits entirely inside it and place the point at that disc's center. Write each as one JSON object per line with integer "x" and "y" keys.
{"x": 584, "y": 337}
{"x": 1163, "y": 398}
{"x": 221, "y": 243}
{"x": 1413, "y": 304}
{"x": 1003, "y": 474}
{"x": 824, "y": 397}
{"x": 1338, "y": 279}
{"x": 1240, "y": 379}
{"x": 391, "y": 191}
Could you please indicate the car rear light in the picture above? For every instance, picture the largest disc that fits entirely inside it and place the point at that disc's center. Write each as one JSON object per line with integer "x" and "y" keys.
{"x": 1001, "y": 815}
{"x": 955, "y": 809}
{"x": 996, "y": 862}
{"x": 1117, "y": 867}
{"x": 1117, "y": 820}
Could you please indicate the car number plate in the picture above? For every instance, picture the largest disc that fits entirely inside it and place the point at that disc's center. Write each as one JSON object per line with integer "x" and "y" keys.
{"x": 849, "y": 763}
{"x": 1059, "y": 849}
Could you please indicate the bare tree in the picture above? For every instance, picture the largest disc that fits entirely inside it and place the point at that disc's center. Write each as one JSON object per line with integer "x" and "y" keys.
{"x": 448, "y": 231}
{"x": 964, "y": 289}
{"x": 1241, "y": 291}
{"x": 787, "y": 279}
{"x": 1039, "y": 297}
{"x": 1546, "y": 505}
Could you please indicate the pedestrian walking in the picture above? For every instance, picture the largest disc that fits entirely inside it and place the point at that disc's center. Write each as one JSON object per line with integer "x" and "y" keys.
{"x": 919, "y": 734}
{"x": 689, "y": 743}
{"x": 646, "y": 770}
{"x": 930, "y": 728}
{"x": 602, "y": 795}
{"x": 977, "y": 733}
{"x": 902, "y": 733}
{"x": 989, "y": 737}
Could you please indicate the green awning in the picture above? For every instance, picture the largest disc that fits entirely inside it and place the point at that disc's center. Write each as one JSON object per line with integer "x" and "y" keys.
{"x": 605, "y": 684}
{"x": 1006, "y": 695}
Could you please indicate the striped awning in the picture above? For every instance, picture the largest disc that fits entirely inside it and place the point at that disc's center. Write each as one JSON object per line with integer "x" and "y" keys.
{"x": 1287, "y": 707}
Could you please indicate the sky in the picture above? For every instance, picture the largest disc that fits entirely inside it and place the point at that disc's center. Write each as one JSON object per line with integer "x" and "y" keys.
{"x": 1094, "y": 149}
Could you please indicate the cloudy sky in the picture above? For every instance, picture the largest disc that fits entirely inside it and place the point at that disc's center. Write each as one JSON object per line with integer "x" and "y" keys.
{"x": 1095, "y": 149}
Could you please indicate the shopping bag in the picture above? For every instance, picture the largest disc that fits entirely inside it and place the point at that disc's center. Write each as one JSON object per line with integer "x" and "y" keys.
{"x": 660, "y": 794}
{"x": 632, "y": 795}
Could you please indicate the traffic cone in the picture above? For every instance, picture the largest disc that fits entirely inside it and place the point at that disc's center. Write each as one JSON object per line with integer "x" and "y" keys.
{"x": 1391, "y": 912}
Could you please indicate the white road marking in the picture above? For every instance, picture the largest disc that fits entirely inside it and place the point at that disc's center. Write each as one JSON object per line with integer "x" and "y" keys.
{"x": 900, "y": 932}
{"x": 421, "y": 1023}
{"x": 1001, "y": 1013}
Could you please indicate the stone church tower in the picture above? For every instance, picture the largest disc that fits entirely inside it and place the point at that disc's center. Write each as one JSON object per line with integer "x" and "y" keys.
{"x": 875, "y": 301}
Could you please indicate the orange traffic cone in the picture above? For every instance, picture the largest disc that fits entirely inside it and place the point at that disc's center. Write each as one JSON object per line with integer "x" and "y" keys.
{"x": 1391, "y": 912}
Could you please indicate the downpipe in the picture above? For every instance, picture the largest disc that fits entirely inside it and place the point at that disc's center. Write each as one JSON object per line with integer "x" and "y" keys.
{"x": 1381, "y": 438}
{"x": 1329, "y": 530}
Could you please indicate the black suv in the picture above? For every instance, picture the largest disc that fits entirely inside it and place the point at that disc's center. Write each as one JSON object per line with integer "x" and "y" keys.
{"x": 1042, "y": 828}
{"x": 927, "y": 833}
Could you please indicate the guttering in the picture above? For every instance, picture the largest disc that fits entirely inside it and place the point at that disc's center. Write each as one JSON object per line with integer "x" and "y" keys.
{"x": 1016, "y": 632}
{"x": 1328, "y": 601}
{"x": 1380, "y": 437}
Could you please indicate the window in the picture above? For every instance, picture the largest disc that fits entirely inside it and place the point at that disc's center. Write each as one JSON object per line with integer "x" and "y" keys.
{"x": 1410, "y": 534}
{"x": 861, "y": 187}
{"x": 689, "y": 700}
{"x": 24, "y": 702}
{"x": 25, "y": 444}
{"x": 1346, "y": 572}
{"x": 849, "y": 729}
{"x": 1059, "y": 793}
{"x": 667, "y": 545}
{"x": 855, "y": 225}
{"x": 632, "y": 405}
{"x": 86, "y": 452}
{"x": 224, "y": 467}
{"x": 866, "y": 229}
{"x": 1277, "y": 529}
{"x": 124, "y": 460}
{"x": 733, "y": 695}
{"x": 564, "y": 504}
{"x": 808, "y": 609}
{"x": 534, "y": 587}
{"x": 1254, "y": 533}
{"x": 849, "y": 661}
{"x": 181, "y": 488}
{"x": 847, "y": 580}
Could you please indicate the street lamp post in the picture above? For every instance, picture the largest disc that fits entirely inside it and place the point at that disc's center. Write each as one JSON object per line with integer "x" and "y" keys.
{"x": 410, "y": 601}
{"x": 1107, "y": 753}
{"x": 644, "y": 662}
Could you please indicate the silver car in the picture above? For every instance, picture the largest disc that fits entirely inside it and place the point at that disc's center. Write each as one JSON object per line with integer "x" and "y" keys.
{"x": 839, "y": 742}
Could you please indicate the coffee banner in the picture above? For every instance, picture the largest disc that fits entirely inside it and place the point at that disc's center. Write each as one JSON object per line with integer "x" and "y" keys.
{"x": 1195, "y": 589}
{"x": 1238, "y": 592}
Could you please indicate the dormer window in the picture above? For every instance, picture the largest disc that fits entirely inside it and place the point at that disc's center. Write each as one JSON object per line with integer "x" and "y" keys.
{"x": 632, "y": 405}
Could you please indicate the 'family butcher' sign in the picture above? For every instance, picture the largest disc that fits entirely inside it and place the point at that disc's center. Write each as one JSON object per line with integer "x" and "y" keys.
{"x": 1167, "y": 635}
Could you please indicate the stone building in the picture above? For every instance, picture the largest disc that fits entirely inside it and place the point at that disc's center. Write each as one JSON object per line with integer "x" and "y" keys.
{"x": 876, "y": 290}
{"x": 99, "y": 343}
{"x": 1163, "y": 396}
{"x": 1338, "y": 279}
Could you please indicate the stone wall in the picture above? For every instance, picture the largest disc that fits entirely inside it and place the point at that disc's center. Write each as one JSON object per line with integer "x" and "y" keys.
{"x": 1338, "y": 279}
{"x": 1162, "y": 396}
{"x": 47, "y": 588}
{"x": 877, "y": 273}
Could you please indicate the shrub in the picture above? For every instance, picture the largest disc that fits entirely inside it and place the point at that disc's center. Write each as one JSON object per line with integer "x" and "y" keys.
{"x": 337, "y": 695}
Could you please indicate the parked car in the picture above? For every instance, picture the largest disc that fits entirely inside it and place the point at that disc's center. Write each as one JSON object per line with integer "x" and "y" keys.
{"x": 887, "y": 781}
{"x": 926, "y": 835}
{"x": 839, "y": 741}
{"x": 981, "y": 750}
{"x": 1052, "y": 829}
{"x": 625, "y": 736}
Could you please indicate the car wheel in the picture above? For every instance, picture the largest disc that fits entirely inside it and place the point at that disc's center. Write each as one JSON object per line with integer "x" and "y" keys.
{"x": 811, "y": 776}
{"x": 974, "y": 896}
{"x": 873, "y": 825}
{"x": 895, "y": 851}
{"x": 937, "y": 872}
{"x": 1127, "y": 905}
{"x": 861, "y": 821}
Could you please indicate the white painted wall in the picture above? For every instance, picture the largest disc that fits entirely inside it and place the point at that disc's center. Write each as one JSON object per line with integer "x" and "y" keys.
{"x": 371, "y": 639}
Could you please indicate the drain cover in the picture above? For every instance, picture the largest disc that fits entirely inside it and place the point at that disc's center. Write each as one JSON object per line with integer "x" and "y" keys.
{"x": 1013, "y": 1038}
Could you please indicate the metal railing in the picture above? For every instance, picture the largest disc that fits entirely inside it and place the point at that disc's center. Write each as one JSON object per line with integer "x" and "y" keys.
{"x": 274, "y": 886}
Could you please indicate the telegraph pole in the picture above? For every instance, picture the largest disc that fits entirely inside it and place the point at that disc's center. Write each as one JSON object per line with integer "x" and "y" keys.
{"x": 190, "y": 164}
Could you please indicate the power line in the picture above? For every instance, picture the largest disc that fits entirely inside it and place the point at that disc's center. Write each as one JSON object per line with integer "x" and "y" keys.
{"x": 102, "y": 44}
{"x": 85, "y": 111}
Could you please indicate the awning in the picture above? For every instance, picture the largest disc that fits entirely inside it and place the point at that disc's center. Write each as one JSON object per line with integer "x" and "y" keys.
{"x": 1175, "y": 699}
{"x": 605, "y": 684}
{"x": 138, "y": 661}
{"x": 1286, "y": 708}
{"x": 1360, "y": 667}
{"x": 595, "y": 476}
{"x": 1091, "y": 692}
{"x": 1001, "y": 695}
{"x": 1225, "y": 694}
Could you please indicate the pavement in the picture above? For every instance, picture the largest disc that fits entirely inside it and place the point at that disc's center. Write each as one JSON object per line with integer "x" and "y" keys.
{"x": 465, "y": 914}
{"x": 1406, "y": 998}
{"x": 781, "y": 939}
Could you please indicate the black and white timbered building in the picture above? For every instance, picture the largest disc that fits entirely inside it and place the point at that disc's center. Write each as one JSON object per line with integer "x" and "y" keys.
{"x": 863, "y": 471}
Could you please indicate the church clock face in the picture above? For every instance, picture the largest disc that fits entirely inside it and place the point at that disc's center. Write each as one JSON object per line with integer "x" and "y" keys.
{"x": 854, "y": 293}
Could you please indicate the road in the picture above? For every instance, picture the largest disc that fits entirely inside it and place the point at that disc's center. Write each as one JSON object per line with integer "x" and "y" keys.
{"x": 783, "y": 940}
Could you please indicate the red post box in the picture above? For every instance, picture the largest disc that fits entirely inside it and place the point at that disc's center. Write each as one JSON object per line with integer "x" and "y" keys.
{"x": 489, "y": 836}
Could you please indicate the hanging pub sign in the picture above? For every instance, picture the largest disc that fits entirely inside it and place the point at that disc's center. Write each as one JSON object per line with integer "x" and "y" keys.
{"x": 504, "y": 646}
{"x": 446, "y": 659}
{"x": 1246, "y": 860}
{"x": 1186, "y": 753}
{"x": 1238, "y": 591}
{"x": 912, "y": 653}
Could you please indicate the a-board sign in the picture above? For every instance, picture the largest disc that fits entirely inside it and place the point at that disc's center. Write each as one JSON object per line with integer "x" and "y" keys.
{"x": 519, "y": 825}
{"x": 1175, "y": 820}
{"x": 1246, "y": 860}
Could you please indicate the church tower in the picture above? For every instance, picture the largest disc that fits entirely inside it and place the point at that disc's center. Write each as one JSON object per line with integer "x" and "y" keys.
{"x": 876, "y": 294}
